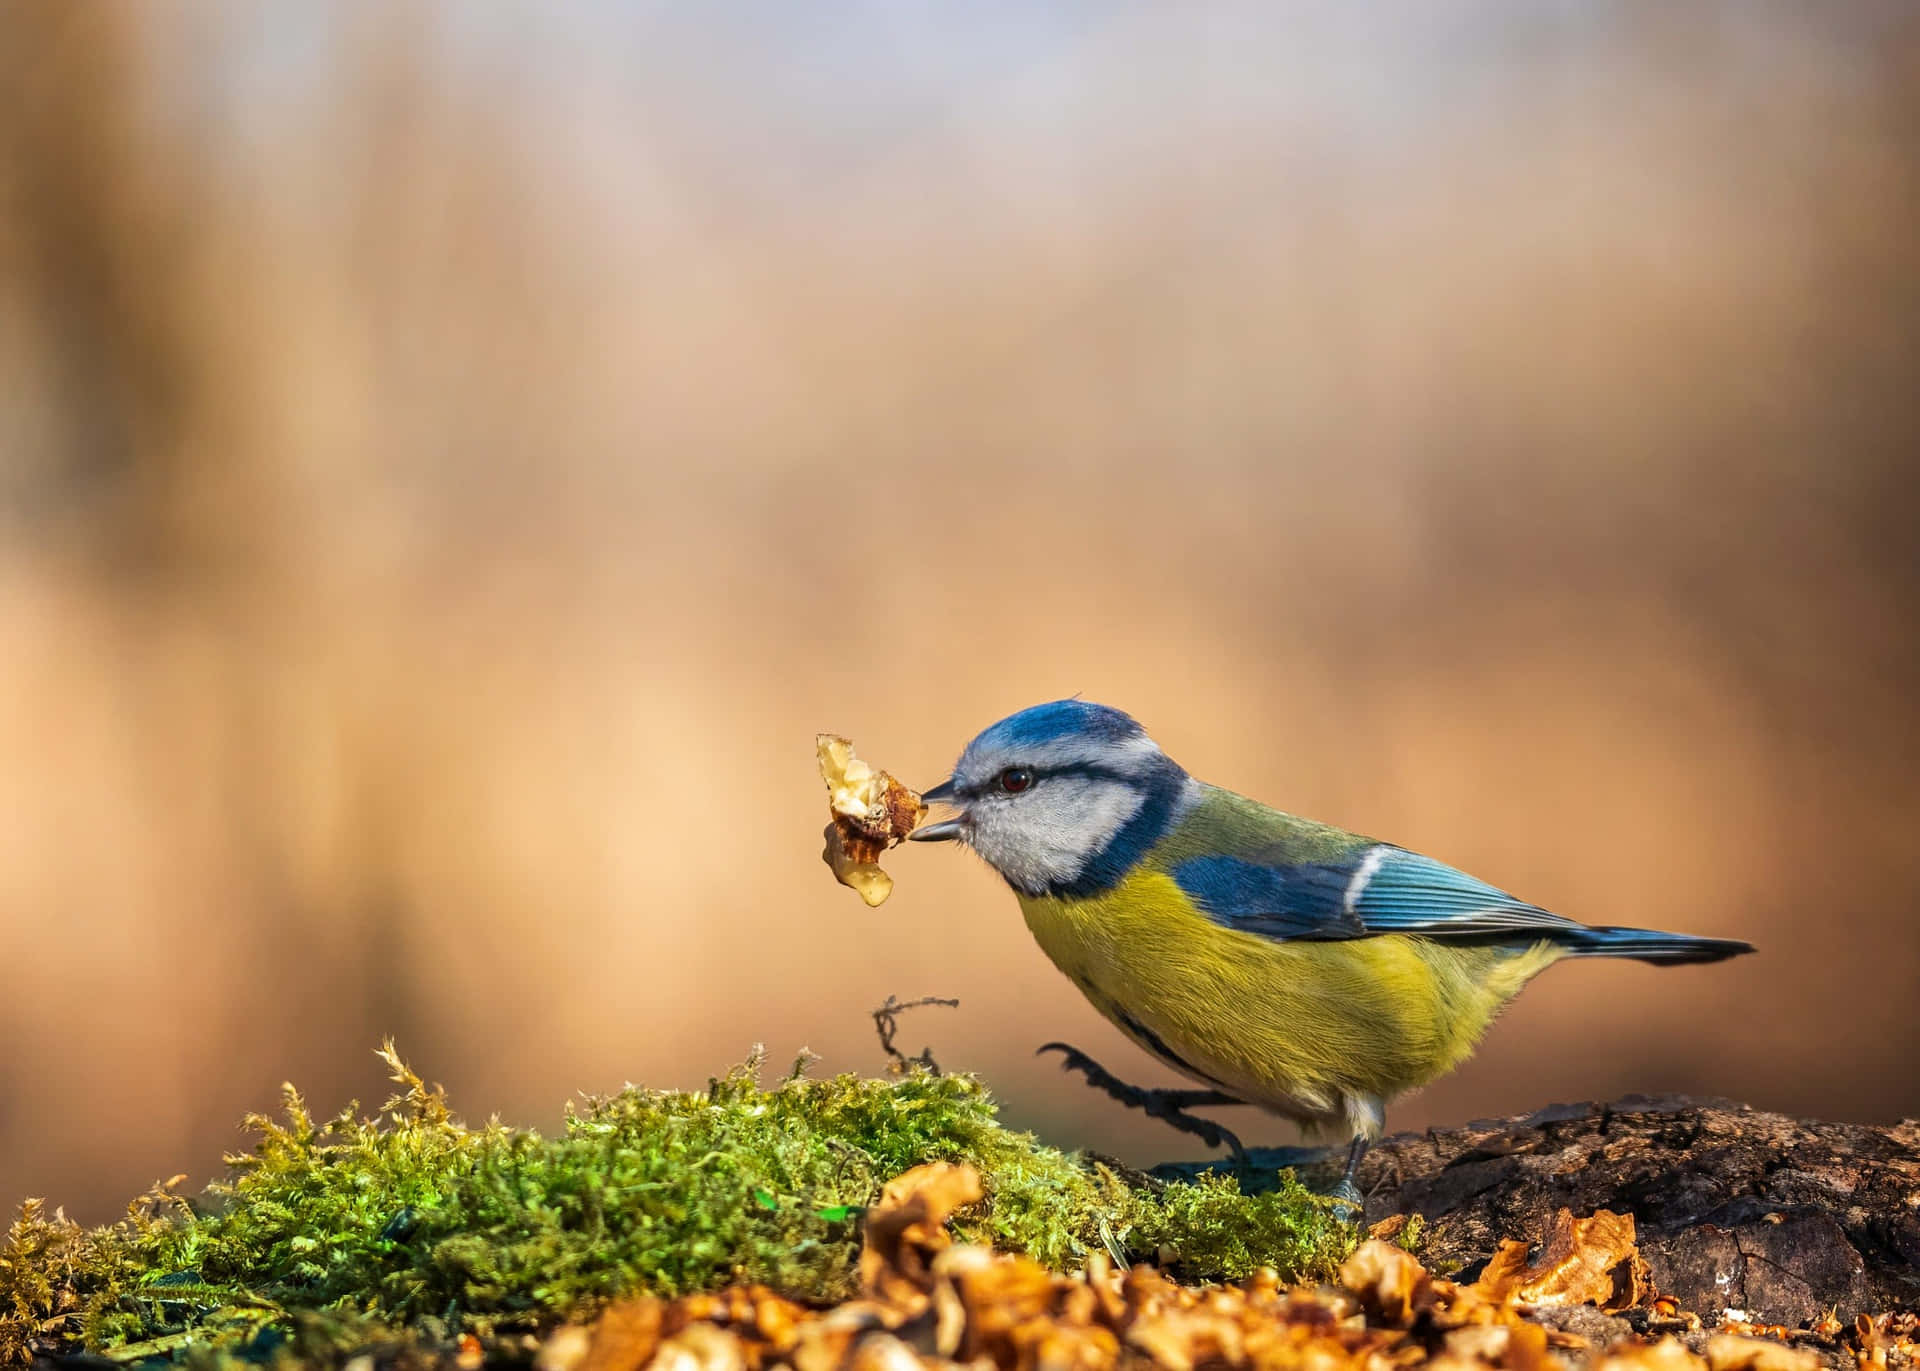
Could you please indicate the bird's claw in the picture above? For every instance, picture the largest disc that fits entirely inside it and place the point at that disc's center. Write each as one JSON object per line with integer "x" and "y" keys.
{"x": 1169, "y": 1106}
{"x": 1347, "y": 1200}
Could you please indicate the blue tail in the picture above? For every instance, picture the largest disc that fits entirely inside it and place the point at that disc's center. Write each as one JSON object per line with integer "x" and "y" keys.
{"x": 1646, "y": 945}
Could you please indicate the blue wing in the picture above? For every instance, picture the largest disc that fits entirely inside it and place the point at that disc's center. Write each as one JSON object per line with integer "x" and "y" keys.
{"x": 1378, "y": 889}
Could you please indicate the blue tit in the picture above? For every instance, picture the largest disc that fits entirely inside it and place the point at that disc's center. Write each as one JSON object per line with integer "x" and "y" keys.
{"x": 1279, "y": 962}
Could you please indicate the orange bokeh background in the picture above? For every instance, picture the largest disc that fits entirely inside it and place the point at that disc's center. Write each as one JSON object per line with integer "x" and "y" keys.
{"x": 452, "y": 461}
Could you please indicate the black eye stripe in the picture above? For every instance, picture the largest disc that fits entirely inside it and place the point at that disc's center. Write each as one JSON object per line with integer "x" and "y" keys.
{"x": 1089, "y": 770}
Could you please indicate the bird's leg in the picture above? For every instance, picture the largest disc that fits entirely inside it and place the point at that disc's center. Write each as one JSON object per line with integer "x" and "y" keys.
{"x": 1168, "y": 1106}
{"x": 1347, "y": 1192}
{"x": 1356, "y": 1151}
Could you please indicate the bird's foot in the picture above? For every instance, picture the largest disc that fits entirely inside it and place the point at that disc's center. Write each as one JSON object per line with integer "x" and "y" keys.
{"x": 1347, "y": 1200}
{"x": 1168, "y": 1106}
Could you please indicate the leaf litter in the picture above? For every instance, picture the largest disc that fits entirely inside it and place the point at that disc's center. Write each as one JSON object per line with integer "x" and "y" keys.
{"x": 927, "y": 1303}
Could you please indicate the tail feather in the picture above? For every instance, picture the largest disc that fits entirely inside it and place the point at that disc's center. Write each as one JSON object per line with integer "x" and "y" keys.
{"x": 1648, "y": 945}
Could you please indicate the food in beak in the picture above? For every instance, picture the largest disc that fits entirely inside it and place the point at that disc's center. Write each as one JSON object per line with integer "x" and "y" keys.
{"x": 871, "y": 813}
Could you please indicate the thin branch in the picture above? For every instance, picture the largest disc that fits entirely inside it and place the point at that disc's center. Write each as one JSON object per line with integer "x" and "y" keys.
{"x": 886, "y": 1021}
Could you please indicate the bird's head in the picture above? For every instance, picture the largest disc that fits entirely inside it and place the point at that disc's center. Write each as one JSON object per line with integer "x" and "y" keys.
{"x": 1062, "y": 798}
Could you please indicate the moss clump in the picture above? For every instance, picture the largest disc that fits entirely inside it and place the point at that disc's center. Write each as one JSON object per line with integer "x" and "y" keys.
{"x": 414, "y": 1221}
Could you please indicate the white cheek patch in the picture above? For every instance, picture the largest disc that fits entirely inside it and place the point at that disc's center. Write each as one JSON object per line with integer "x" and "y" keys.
{"x": 1047, "y": 838}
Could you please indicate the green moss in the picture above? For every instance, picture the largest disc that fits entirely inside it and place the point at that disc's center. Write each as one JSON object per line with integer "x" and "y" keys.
{"x": 412, "y": 1221}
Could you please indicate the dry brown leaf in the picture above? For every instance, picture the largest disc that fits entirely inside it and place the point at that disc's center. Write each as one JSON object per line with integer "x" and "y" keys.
{"x": 1669, "y": 1354}
{"x": 906, "y": 1230}
{"x": 822, "y": 1344}
{"x": 1007, "y": 1308}
{"x": 1665, "y": 1315}
{"x": 1726, "y": 1352}
{"x": 700, "y": 1347}
{"x": 881, "y": 1351}
{"x": 623, "y": 1338}
{"x": 1743, "y": 1329}
{"x": 1067, "y": 1347}
{"x": 1527, "y": 1345}
{"x": 1483, "y": 1342}
{"x": 1583, "y": 1261}
{"x": 777, "y": 1320}
{"x": 771, "y": 1318}
{"x": 1390, "y": 1283}
{"x": 871, "y": 812}
{"x": 565, "y": 1350}
{"x": 1179, "y": 1341}
{"x": 1877, "y": 1335}
{"x": 1103, "y": 1283}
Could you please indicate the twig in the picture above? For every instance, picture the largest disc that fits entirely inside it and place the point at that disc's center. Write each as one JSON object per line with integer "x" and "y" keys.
{"x": 886, "y": 1020}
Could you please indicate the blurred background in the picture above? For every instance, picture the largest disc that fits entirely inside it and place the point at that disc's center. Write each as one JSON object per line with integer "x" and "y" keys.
{"x": 453, "y": 459}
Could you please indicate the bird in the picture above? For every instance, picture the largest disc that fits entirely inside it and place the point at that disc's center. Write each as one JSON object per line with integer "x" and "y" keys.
{"x": 1276, "y": 961}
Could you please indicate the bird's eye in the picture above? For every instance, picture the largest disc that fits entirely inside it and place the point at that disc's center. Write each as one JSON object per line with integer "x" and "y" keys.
{"x": 1015, "y": 779}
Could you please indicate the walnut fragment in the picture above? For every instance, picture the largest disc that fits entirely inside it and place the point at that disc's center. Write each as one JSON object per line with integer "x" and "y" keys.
{"x": 871, "y": 813}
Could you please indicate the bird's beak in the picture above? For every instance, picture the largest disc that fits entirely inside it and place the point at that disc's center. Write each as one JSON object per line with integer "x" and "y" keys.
{"x": 947, "y": 830}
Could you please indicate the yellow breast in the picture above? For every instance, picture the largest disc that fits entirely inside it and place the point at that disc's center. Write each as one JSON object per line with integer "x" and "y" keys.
{"x": 1301, "y": 1027}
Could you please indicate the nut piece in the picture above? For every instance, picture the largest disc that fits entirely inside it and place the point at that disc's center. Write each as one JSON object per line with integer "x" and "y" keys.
{"x": 871, "y": 813}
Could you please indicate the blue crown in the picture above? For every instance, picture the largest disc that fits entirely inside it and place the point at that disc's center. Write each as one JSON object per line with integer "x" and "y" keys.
{"x": 1049, "y": 723}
